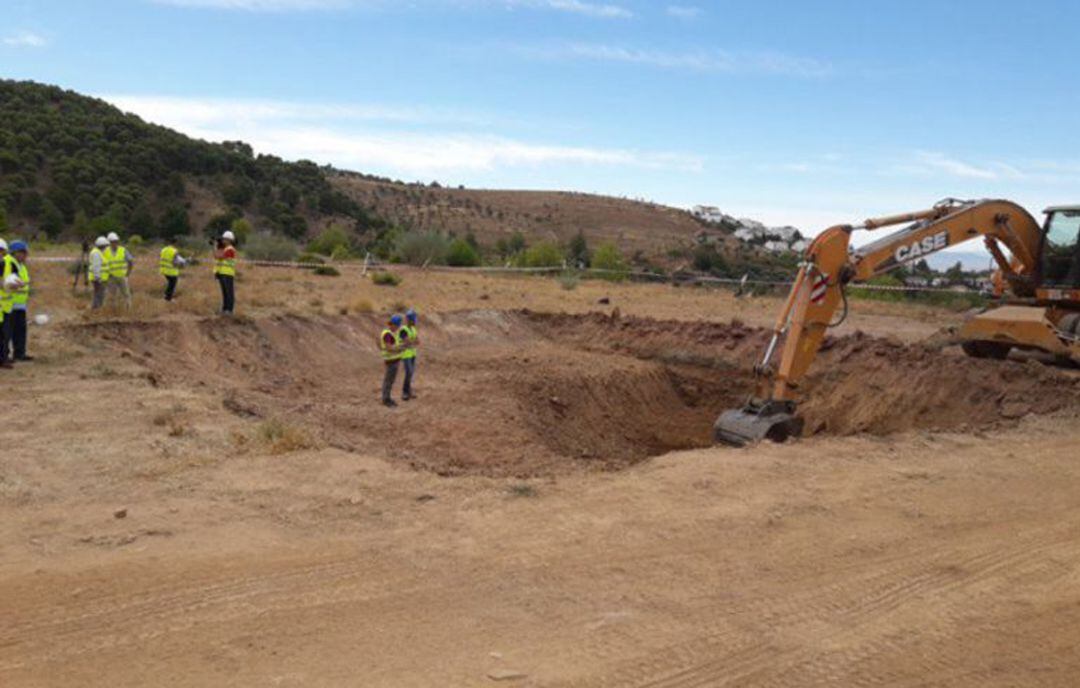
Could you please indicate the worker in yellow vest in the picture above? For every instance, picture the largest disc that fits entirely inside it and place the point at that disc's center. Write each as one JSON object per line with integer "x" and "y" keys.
{"x": 118, "y": 262}
{"x": 410, "y": 341}
{"x": 225, "y": 271}
{"x": 9, "y": 284}
{"x": 169, "y": 265}
{"x": 390, "y": 345}
{"x": 20, "y": 302}
{"x": 97, "y": 274}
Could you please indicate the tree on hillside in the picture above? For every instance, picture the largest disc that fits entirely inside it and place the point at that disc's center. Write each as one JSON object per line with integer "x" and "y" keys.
{"x": 609, "y": 259}
{"x": 577, "y": 251}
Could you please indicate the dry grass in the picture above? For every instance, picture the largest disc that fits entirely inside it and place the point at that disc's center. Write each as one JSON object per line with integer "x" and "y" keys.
{"x": 281, "y": 438}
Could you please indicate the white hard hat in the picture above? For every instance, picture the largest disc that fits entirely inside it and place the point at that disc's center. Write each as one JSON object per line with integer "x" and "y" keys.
{"x": 41, "y": 319}
{"x": 113, "y": 236}
{"x": 228, "y": 235}
{"x": 101, "y": 242}
{"x": 3, "y": 245}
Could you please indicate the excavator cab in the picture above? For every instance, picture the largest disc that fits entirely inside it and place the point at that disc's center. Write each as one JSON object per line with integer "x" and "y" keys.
{"x": 1061, "y": 248}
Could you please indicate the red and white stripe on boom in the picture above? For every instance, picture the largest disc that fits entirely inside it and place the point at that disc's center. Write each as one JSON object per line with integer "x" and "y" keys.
{"x": 819, "y": 288}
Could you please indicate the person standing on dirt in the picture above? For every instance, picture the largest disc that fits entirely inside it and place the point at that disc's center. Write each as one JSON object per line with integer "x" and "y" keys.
{"x": 390, "y": 345}
{"x": 5, "y": 319}
{"x": 96, "y": 273}
{"x": 118, "y": 264}
{"x": 409, "y": 341}
{"x": 20, "y": 300}
{"x": 225, "y": 271}
{"x": 169, "y": 265}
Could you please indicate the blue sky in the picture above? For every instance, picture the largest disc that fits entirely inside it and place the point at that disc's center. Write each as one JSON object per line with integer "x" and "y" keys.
{"x": 807, "y": 113}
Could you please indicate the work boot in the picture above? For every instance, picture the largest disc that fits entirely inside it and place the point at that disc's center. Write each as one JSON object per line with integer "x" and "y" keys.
{"x": 408, "y": 397}
{"x": 389, "y": 403}
{"x": 6, "y": 364}
{"x": 24, "y": 358}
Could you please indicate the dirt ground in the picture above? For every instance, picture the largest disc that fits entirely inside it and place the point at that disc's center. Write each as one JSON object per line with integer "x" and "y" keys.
{"x": 191, "y": 502}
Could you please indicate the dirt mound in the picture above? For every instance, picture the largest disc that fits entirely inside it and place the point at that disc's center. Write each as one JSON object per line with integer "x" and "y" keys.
{"x": 519, "y": 393}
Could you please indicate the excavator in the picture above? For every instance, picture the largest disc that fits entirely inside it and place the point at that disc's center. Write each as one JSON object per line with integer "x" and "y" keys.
{"x": 1036, "y": 305}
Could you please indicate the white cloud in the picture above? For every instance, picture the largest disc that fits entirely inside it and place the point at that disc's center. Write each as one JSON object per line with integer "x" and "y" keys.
{"x": 201, "y": 111}
{"x": 684, "y": 11}
{"x": 591, "y": 9}
{"x": 928, "y": 163}
{"x": 25, "y": 39}
{"x": 259, "y": 5}
{"x": 700, "y": 60}
{"x": 346, "y": 137}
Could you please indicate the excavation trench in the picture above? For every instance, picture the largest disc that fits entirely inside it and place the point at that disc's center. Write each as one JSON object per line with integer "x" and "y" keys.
{"x": 525, "y": 394}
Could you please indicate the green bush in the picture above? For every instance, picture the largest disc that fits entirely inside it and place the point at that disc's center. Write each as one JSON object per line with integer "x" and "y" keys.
{"x": 311, "y": 259}
{"x": 135, "y": 241}
{"x": 542, "y": 255}
{"x": 326, "y": 271}
{"x": 462, "y": 254}
{"x": 422, "y": 248}
{"x": 341, "y": 253}
{"x": 385, "y": 279}
{"x": 569, "y": 280}
{"x": 607, "y": 257}
{"x": 271, "y": 247}
{"x": 329, "y": 240}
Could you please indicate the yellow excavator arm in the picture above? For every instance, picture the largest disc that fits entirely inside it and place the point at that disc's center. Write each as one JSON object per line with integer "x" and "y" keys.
{"x": 830, "y": 264}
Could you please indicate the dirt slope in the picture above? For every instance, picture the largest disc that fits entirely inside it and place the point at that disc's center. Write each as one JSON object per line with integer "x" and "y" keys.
{"x": 553, "y": 215}
{"x": 525, "y": 394}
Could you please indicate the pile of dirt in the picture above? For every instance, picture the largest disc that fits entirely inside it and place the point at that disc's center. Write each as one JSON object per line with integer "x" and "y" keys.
{"x": 525, "y": 394}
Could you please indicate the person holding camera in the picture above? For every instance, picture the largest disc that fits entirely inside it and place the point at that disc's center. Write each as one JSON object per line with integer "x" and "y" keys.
{"x": 225, "y": 271}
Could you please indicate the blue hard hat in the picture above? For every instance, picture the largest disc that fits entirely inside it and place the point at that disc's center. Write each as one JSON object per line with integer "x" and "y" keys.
{"x": 411, "y": 315}
{"x": 19, "y": 246}
{"x": 395, "y": 319}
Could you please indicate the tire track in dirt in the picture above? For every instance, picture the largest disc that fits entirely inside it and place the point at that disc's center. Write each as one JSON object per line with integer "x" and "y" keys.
{"x": 755, "y": 663}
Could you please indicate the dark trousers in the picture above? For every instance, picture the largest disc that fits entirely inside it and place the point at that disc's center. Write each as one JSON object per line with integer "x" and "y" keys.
{"x": 228, "y": 293}
{"x": 388, "y": 380}
{"x": 18, "y": 333}
{"x": 6, "y": 328}
{"x": 410, "y": 369}
{"x": 170, "y": 286}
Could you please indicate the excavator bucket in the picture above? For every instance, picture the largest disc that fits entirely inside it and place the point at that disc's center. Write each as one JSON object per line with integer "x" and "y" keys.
{"x": 756, "y": 421}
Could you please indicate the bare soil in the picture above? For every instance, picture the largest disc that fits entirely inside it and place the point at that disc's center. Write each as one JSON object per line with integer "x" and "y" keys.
{"x": 187, "y": 501}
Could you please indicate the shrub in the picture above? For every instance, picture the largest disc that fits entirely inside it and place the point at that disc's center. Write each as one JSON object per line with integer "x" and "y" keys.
{"x": 341, "y": 253}
{"x": 608, "y": 257}
{"x": 329, "y": 240}
{"x": 310, "y": 259}
{"x": 569, "y": 281}
{"x": 462, "y": 254}
{"x": 542, "y": 255}
{"x": 426, "y": 248}
{"x": 281, "y": 438}
{"x": 385, "y": 279}
{"x": 327, "y": 271}
{"x": 135, "y": 241}
{"x": 242, "y": 229}
{"x": 271, "y": 247}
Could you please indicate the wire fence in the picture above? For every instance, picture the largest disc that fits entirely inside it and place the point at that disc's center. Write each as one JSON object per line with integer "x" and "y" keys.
{"x": 370, "y": 264}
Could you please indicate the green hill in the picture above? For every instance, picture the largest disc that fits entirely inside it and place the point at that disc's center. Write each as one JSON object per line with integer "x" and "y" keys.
{"x": 71, "y": 166}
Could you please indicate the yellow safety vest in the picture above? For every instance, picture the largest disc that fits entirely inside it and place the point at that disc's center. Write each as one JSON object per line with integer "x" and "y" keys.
{"x": 22, "y": 296}
{"x": 388, "y": 354}
{"x": 7, "y": 298}
{"x": 104, "y": 266}
{"x": 166, "y": 265}
{"x": 225, "y": 266}
{"x": 408, "y": 335}
{"x": 116, "y": 262}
